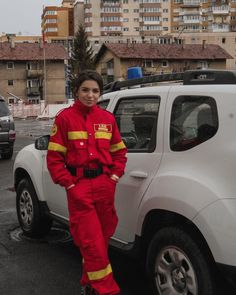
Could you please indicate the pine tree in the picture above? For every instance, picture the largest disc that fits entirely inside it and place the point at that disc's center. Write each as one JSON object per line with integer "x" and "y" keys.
{"x": 81, "y": 54}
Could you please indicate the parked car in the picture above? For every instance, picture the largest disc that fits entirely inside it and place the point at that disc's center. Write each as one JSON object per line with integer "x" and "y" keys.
{"x": 177, "y": 200}
{"x": 7, "y": 131}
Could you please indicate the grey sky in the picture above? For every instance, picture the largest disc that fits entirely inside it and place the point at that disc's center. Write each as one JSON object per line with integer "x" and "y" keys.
{"x": 23, "y": 15}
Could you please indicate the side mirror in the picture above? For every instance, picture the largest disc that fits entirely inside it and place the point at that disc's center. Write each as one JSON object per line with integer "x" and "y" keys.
{"x": 42, "y": 142}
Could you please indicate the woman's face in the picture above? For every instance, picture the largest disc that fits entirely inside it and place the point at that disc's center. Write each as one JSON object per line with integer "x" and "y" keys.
{"x": 88, "y": 93}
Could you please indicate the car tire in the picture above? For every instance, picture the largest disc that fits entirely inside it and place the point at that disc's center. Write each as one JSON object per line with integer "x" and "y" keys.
{"x": 7, "y": 155}
{"x": 32, "y": 219}
{"x": 176, "y": 265}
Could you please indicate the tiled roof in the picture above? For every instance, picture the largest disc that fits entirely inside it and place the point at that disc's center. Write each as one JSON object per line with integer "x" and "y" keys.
{"x": 165, "y": 51}
{"x": 31, "y": 51}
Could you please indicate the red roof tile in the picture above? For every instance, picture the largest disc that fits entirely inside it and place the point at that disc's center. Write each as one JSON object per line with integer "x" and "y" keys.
{"x": 165, "y": 51}
{"x": 31, "y": 51}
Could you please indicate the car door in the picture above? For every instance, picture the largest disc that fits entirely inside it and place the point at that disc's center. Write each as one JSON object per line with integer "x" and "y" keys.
{"x": 55, "y": 194}
{"x": 140, "y": 120}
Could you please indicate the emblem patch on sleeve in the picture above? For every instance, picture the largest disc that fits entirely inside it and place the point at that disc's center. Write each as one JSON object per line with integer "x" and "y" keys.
{"x": 54, "y": 130}
{"x": 103, "y": 127}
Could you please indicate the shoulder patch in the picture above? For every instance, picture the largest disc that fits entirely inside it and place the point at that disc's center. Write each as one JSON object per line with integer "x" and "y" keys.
{"x": 53, "y": 130}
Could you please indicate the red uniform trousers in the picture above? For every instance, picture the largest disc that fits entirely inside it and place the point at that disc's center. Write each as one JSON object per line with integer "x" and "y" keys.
{"x": 93, "y": 221}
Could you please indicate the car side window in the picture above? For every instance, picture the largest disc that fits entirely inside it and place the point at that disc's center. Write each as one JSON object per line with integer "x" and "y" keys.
{"x": 4, "y": 111}
{"x": 103, "y": 103}
{"x": 194, "y": 119}
{"x": 137, "y": 120}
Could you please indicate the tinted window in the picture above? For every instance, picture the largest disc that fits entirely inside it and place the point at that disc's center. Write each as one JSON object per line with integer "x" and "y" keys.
{"x": 103, "y": 104}
{"x": 137, "y": 120}
{"x": 194, "y": 119}
{"x": 4, "y": 111}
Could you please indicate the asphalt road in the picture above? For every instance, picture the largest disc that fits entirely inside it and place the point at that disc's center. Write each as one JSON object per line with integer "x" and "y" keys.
{"x": 50, "y": 266}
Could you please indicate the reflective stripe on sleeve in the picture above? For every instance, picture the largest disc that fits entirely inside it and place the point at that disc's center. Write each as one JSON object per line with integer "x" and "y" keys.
{"x": 103, "y": 135}
{"x": 57, "y": 147}
{"x": 77, "y": 135}
{"x": 99, "y": 274}
{"x": 116, "y": 147}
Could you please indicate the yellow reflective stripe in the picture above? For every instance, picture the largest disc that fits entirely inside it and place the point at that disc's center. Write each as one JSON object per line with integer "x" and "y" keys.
{"x": 77, "y": 135}
{"x": 116, "y": 147}
{"x": 57, "y": 147}
{"x": 103, "y": 135}
{"x": 99, "y": 274}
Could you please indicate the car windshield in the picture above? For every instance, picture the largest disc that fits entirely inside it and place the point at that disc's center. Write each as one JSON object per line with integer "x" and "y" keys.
{"x": 4, "y": 111}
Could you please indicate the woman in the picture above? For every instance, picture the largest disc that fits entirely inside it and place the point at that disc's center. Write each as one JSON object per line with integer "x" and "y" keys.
{"x": 87, "y": 156}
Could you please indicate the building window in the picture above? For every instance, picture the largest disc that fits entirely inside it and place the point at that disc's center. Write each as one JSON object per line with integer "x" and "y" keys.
{"x": 10, "y": 82}
{"x": 202, "y": 65}
{"x": 10, "y": 65}
{"x": 148, "y": 63}
{"x": 32, "y": 66}
{"x": 164, "y": 63}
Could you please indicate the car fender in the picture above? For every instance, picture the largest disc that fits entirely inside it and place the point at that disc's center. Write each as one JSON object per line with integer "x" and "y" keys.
{"x": 31, "y": 160}
{"x": 180, "y": 194}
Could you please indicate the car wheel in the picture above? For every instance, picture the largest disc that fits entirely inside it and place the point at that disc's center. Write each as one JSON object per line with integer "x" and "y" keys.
{"x": 32, "y": 220}
{"x": 7, "y": 155}
{"x": 176, "y": 265}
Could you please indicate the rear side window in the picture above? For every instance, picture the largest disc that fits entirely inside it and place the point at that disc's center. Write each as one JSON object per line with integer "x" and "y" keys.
{"x": 194, "y": 119}
{"x": 4, "y": 111}
{"x": 137, "y": 121}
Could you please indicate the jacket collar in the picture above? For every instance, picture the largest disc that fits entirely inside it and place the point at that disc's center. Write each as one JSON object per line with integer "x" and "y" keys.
{"x": 83, "y": 108}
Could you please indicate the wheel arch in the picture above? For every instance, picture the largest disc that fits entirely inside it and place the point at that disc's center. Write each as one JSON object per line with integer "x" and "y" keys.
{"x": 157, "y": 219}
{"x": 21, "y": 173}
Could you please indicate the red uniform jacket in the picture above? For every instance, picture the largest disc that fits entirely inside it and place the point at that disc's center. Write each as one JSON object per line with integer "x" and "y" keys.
{"x": 81, "y": 135}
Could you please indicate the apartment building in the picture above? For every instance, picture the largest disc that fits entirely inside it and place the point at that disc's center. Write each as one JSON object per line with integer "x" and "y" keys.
{"x": 58, "y": 22}
{"x": 152, "y": 18}
{"x": 32, "y": 72}
{"x": 160, "y": 21}
{"x": 114, "y": 59}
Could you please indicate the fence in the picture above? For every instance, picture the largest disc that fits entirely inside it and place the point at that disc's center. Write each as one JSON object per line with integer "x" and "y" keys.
{"x": 39, "y": 111}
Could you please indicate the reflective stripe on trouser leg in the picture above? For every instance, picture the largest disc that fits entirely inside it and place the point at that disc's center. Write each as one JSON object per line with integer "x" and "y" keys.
{"x": 87, "y": 233}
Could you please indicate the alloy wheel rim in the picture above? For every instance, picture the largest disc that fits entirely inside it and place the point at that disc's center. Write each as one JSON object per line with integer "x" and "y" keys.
{"x": 26, "y": 208}
{"x": 174, "y": 273}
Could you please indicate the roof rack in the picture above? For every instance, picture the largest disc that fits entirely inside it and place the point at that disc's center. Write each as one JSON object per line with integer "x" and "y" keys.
{"x": 118, "y": 85}
{"x": 189, "y": 77}
{"x": 210, "y": 76}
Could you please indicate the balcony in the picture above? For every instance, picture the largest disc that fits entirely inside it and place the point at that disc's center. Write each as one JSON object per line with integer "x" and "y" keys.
{"x": 188, "y": 20}
{"x": 191, "y": 3}
{"x": 33, "y": 91}
{"x": 189, "y": 12}
{"x": 219, "y": 28}
{"x": 224, "y": 9}
{"x": 34, "y": 73}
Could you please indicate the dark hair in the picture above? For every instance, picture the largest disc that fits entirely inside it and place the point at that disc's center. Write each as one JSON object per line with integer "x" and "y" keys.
{"x": 88, "y": 75}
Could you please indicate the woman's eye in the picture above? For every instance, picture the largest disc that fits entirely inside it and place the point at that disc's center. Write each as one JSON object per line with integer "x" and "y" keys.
{"x": 88, "y": 90}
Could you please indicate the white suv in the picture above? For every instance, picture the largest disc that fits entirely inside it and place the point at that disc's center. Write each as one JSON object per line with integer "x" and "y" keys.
{"x": 177, "y": 200}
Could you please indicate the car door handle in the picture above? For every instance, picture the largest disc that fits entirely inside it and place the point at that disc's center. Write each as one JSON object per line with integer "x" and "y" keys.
{"x": 138, "y": 174}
